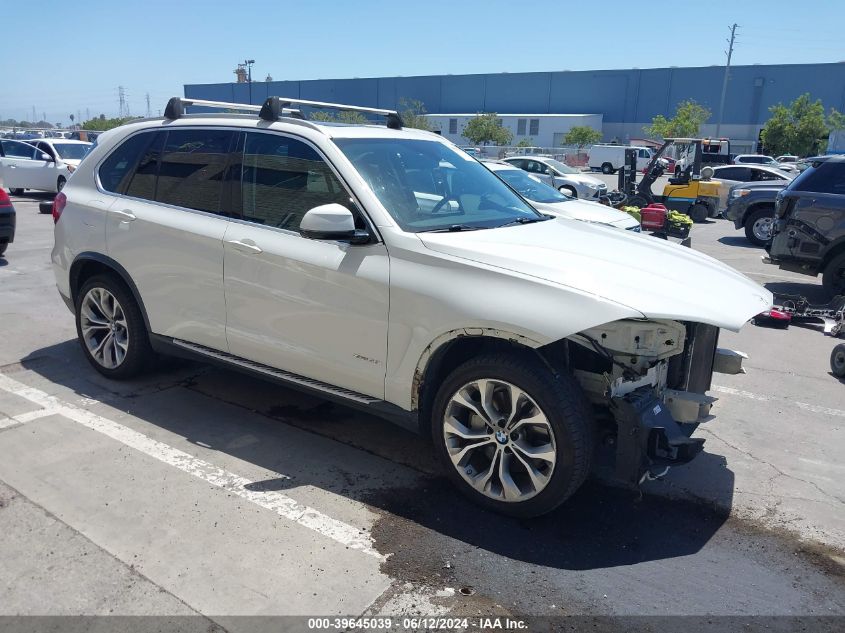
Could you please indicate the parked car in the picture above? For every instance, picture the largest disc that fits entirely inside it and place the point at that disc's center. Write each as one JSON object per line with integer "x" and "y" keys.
{"x": 84, "y": 135}
{"x": 751, "y": 207}
{"x": 475, "y": 152}
{"x": 809, "y": 231}
{"x": 731, "y": 175}
{"x": 787, "y": 158}
{"x": 44, "y": 164}
{"x": 549, "y": 200}
{"x": 7, "y": 221}
{"x": 760, "y": 159}
{"x": 609, "y": 158}
{"x": 561, "y": 176}
{"x": 384, "y": 268}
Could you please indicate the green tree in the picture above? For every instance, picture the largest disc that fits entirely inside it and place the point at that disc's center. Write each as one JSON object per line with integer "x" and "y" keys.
{"x": 836, "y": 120}
{"x": 526, "y": 142}
{"x": 413, "y": 114}
{"x": 101, "y": 125}
{"x": 582, "y": 135}
{"x": 342, "y": 116}
{"x": 798, "y": 128}
{"x": 487, "y": 128}
{"x": 689, "y": 116}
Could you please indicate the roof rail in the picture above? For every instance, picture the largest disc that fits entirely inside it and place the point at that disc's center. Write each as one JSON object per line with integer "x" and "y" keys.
{"x": 275, "y": 107}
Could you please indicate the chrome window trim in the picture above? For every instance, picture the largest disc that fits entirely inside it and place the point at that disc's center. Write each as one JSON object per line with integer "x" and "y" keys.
{"x": 151, "y": 130}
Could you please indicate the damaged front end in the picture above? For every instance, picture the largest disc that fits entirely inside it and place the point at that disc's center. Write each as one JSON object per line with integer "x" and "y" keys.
{"x": 648, "y": 380}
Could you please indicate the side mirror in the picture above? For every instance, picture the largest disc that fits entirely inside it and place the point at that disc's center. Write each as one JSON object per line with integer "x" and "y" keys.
{"x": 46, "y": 156}
{"x": 332, "y": 222}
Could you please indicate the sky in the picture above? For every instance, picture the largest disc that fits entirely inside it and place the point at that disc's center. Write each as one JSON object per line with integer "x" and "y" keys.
{"x": 155, "y": 47}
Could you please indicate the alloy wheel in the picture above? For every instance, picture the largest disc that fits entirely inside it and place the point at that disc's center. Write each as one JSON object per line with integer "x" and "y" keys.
{"x": 499, "y": 440}
{"x": 105, "y": 331}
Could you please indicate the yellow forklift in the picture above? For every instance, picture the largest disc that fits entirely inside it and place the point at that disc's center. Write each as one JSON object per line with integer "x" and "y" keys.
{"x": 690, "y": 190}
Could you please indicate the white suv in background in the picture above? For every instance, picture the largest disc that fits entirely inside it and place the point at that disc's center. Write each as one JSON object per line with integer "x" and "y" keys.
{"x": 40, "y": 164}
{"x": 384, "y": 268}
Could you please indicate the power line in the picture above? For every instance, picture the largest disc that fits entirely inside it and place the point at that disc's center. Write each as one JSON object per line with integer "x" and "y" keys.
{"x": 148, "y": 105}
{"x": 725, "y": 80}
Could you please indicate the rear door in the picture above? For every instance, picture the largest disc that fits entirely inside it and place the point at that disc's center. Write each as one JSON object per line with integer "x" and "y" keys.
{"x": 315, "y": 308}
{"x": 166, "y": 229}
{"x": 18, "y": 167}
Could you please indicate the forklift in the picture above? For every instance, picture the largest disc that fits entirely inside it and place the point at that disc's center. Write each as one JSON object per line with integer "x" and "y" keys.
{"x": 690, "y": 190}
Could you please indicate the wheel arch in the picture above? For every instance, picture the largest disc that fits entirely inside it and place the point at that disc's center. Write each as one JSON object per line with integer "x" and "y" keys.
{"x": 452, "y": 348}
{"x": 833, "y": 250}
{"x": 87, "y": 264}
{"x": 752, "y": 208}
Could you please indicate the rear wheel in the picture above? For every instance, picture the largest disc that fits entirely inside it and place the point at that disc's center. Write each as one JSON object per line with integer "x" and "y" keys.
{"x": 607, "y": 168}
{"x": 16, "y": 192}
{"x": 512, "y": 436}
{"x": 60, "y": 183}
{"x": 568, "y": 191}
{"x": 837, "y": 361}
{"x": 699, "y": 212}
{"x": 758, "y": 226}
{"x": 111, "y": 328}
{"x": 833, "y": 277}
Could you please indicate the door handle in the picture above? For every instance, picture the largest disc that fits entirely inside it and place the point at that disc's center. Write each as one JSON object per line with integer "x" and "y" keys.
{"x": 125, "y": 215}
{"x": 245, "y": 247}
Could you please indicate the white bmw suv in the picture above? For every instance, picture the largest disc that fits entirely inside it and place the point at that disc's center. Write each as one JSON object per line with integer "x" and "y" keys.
{"x": 385, "y": 268}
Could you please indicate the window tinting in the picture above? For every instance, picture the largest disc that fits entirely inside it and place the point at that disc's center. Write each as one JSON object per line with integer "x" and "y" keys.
{"x": 743, "y": 174}
{"x": 828, "y": 177}
{"x": 143, "y": 180}
{"x": 282, "y": 179}
{"x": 15, "y": 149}
{"x": 116, "y": 169}
{"x": 192, "y": 169}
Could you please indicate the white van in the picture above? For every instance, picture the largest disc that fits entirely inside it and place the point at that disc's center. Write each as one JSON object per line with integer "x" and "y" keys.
{"x": 609, "y": 158}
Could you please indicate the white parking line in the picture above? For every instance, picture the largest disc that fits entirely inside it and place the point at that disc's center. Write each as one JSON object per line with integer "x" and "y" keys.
{"x": 801, "y": 405}
{"x": 275, "y": 501}
{"x": 739, "y": 392}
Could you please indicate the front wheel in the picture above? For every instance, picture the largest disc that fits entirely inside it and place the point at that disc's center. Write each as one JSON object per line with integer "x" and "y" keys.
{"x": 512, "y": 436}
{"x": 833, "y": 277}
{"x": 607, "y": 168}
{"x": 758, "y": 226}
{"x": 699, "y": 212}
{"x": 837, "y": 361}
{"x": 111, "y": 328}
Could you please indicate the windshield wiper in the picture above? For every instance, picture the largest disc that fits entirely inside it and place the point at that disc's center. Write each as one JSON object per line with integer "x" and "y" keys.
{"x": 455, "y": 228}
{"x": 524, "y": 221}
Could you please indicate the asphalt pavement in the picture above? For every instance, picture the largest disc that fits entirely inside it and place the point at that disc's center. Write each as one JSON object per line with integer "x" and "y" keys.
{"x": 200, "y": 491}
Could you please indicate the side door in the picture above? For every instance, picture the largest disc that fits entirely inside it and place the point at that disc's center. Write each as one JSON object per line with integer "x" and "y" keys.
{"x": 46, "y": 176}
{"x": 18, "y": 165}
{"x": 541, "y": 171}
{"x": 314, "y": 308}
{"x": 167, "y": 227}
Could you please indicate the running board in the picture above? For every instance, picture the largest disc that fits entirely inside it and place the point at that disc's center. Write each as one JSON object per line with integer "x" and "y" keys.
{"x": 279, "y": 374}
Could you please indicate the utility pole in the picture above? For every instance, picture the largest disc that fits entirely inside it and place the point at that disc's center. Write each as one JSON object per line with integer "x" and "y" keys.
{"x": 34, "y": 116}
{"x": 148, "y": 105}
{"x": 725, "y": 80}
{"x": 249, "y": 63}
{"x": 123, "y": 108}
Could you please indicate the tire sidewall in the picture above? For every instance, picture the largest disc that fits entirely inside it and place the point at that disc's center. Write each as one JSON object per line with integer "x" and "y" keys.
{"x": 567, "y": 475}
{"x": 831, "y": 278}
{"x": 749, "y": 225}
{"x": 138, "y": 348}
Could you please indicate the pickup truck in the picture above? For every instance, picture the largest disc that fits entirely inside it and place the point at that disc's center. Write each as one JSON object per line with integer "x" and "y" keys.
{"x": 751, "y": 206}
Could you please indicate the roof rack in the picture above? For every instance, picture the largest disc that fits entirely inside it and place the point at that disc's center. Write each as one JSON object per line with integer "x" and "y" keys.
{"x": 275, "y": 107}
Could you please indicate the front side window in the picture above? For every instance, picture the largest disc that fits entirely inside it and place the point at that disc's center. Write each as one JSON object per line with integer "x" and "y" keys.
{"x": 283, "y": 178}
{"x": 561, "y": 168}
{"x": 16, "y": 149}
{"x": 530, "y": 188}
{"x": 826, "y": 177}
{"x": 429, "y": 186}
{"x": 192, "y": 169}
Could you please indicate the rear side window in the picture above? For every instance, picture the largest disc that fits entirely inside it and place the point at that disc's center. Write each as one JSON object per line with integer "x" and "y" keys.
{"x": 828, "y": 177}
{"x": 734, "y": 173}
{"x": 192, "y": 169}
{"x": 143, "y": 180}
{"x": 117, "y": 168}
{"x": 283, "y": 178}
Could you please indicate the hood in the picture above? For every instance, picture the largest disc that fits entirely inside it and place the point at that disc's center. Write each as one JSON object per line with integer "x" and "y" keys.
{"x": 657, "y": 278}
{"x": 584, "y": 179}
{"x": 586, "y": 211}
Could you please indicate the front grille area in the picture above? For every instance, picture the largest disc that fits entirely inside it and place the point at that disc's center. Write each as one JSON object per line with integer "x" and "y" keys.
{"x": 693, "y": 369}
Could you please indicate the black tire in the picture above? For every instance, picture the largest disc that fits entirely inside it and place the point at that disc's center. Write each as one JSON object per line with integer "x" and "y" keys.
{"x": 607, "y": 168}
{"x": 699, "y": 212}
{"x": 16, "y": 192}
{"x": 756, "y": 216}
{"x": 60, "y": 183}
{"x": 837, "y": 361}
{"x": 562, "y": 402}
{"x": 636, "y": 201}
{"x": 139, "y": 353}
{"x": 568, "y": 191}
{"x": 3, "y": 248}
{"x": 833, "y": 277}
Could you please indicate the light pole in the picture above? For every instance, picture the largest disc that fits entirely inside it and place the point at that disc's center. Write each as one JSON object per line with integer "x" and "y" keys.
{"x": 249, "y": 63}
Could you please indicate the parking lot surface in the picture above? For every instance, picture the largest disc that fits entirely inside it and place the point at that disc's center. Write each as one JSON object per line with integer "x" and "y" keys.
{"x": 204, "y": 492}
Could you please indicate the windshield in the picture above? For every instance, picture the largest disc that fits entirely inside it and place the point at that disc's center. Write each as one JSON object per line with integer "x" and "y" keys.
{"x": 71, "y": 151}
{"x": 529, "y": 187}
{"x": 428, "y": 186}
{"x": 561, "y": 167}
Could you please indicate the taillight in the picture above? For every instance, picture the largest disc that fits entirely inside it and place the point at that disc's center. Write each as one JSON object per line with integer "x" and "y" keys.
{"x": 5, "y": 201}
{"x": 59, "y": 203}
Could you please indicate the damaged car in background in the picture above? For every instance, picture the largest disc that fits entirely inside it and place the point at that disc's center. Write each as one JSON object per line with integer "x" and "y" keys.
{"x": 384, "y": 268}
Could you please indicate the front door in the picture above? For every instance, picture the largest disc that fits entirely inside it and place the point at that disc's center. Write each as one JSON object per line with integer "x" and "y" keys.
{"x": 19, "y": 168}
{"x": 314, "y": 308}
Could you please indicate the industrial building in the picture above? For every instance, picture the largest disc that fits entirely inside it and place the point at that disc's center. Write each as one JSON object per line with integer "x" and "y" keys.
{"x": 617, "y": 102}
